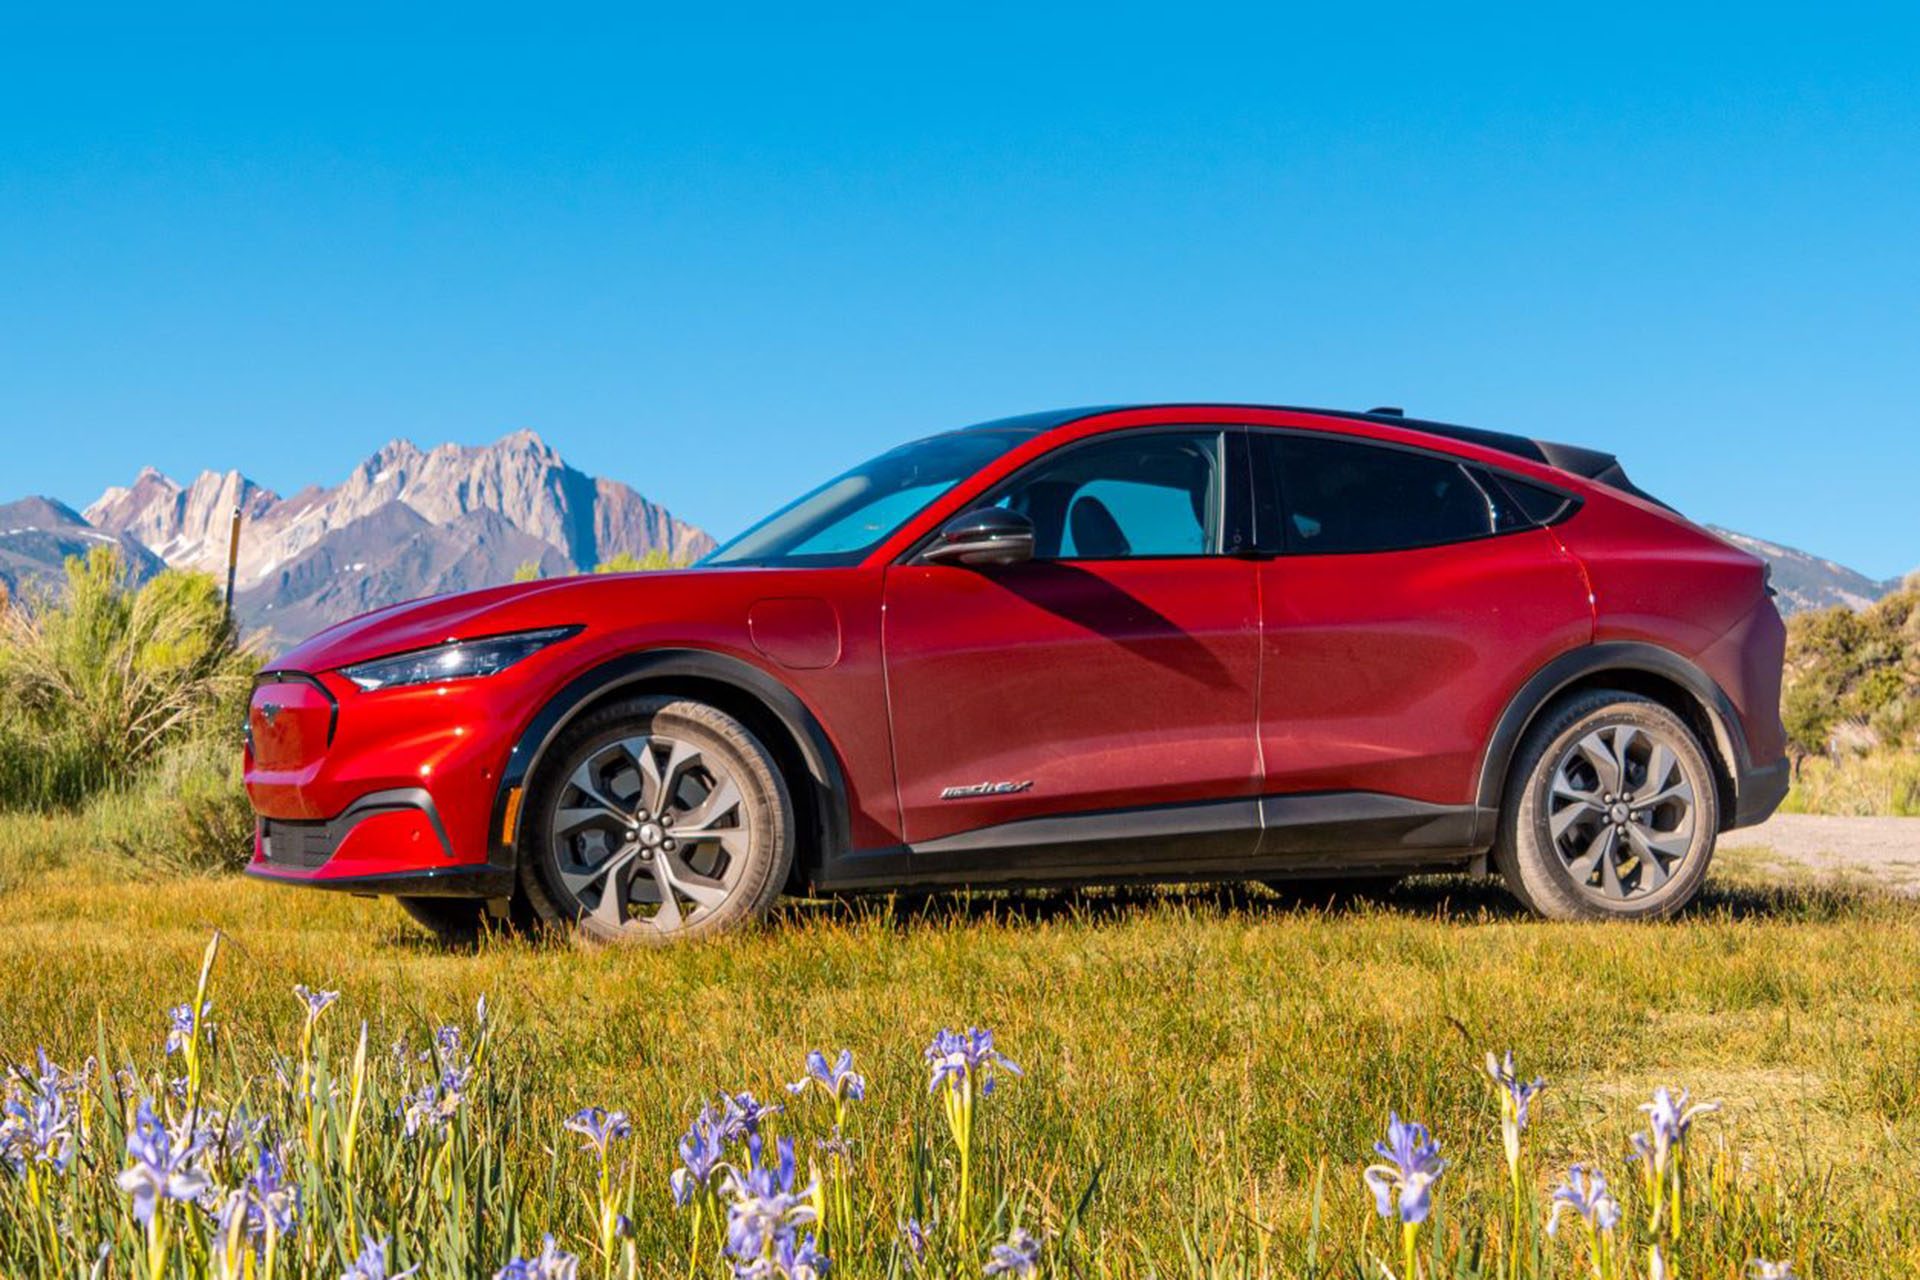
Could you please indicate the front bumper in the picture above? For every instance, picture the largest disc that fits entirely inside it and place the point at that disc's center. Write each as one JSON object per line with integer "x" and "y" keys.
{"x": 432, "y": 882}
{"x": 390, "y": 792}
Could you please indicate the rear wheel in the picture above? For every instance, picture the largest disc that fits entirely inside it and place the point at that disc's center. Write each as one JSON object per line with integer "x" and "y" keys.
{"x": 1611, "y": 813}
{"x": 656, "y": 819}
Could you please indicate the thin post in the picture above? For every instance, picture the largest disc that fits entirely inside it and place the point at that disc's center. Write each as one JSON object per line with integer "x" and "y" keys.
{"x": 233, "y": 560}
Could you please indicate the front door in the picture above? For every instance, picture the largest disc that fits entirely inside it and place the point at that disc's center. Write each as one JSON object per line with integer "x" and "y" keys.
{"x": 1112, "y": 679}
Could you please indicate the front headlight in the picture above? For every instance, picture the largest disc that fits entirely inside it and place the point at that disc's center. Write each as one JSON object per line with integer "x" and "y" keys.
{"x": 455, "y": 660}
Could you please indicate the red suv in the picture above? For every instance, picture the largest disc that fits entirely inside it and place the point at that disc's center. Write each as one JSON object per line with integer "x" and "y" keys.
{"x": 1179, "y": 642}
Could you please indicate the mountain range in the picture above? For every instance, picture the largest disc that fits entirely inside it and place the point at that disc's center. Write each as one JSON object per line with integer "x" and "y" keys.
{"x": 1802, "y": 581}
{"x": 411, "y": 522}
{"x": 407, "y": 522}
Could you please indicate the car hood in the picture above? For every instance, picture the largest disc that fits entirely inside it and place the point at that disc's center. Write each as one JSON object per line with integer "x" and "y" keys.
{"x": 469, "y": 615}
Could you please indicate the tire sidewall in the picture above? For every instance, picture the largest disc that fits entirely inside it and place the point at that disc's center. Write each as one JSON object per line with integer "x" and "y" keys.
{"x": 1544, "y": 882}
{"x": 763, "y": 791}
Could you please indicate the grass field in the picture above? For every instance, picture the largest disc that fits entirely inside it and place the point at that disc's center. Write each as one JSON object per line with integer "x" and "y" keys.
{"x": 1885, "y": 783}
{"x": 1207, "y": 1070}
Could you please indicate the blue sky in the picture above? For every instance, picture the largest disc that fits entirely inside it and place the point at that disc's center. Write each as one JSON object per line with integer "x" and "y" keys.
{"x": 721, "y": 257}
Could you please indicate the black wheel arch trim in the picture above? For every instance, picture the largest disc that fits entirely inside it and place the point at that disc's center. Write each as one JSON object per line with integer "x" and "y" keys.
{"x": 817, "y": 753}
{"x": 1574, "y": 665}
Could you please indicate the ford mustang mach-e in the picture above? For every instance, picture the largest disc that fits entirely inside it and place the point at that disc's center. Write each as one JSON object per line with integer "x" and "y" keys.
{"x": 1175, "y": 642}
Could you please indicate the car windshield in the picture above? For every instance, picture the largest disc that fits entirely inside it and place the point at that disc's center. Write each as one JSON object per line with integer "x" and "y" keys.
{"x": 845, "y": 518}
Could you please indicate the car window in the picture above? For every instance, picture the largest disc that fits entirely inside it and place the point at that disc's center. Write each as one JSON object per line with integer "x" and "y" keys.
{"x": 1130, "y": 496}
{"x": 1340, "y": 496}
{"x": 851, "y": 514}
{"x": 866, "y": 524}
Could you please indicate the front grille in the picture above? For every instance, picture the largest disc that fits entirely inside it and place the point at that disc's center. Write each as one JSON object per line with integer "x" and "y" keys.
{"x": 306, "y": 845}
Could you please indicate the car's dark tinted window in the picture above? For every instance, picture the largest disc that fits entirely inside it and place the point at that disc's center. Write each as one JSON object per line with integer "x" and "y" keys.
{"x": 1338, "y": 496}
{"x": 1538, "y": 503}
{"x": 1134, "y": 495}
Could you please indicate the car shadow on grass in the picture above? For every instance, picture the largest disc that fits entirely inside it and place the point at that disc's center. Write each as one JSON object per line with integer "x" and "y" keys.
{"x": 1465, "y": 900}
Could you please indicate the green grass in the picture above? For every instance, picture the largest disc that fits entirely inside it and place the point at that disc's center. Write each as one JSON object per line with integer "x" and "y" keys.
{"x": 1883, "y": 783}
{"x": 1222, "y": 1063}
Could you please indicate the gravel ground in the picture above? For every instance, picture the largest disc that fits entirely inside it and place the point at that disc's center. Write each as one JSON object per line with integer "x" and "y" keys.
{"x": 1884, "y": 851}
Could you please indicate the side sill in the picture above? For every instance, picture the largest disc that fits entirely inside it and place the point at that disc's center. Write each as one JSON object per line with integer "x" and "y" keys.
{"x": 1272, "y": 836}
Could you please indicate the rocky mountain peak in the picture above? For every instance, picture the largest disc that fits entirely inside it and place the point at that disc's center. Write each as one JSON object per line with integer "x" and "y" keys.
{"x": 473, "y": 514}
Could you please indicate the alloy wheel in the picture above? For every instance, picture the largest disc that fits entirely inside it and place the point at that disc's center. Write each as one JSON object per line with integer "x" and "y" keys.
{"x": 1621, "y": 812}
{"x": 650, "y": 832}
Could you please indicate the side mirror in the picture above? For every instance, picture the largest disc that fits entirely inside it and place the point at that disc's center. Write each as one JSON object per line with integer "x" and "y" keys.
{"x": 989, "y": 535}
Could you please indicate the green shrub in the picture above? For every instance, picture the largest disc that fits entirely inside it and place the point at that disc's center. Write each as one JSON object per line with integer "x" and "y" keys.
{"x": 187, "y": 815}
{"x": 627, "y": 562}
{"x": 99, "y": 681}
{"x": 1854, "y": 667}
{"x": 1885, "y": 783}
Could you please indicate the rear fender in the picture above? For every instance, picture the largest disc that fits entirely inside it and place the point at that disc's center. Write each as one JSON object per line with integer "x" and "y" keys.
{"x": 1575, "y": 666}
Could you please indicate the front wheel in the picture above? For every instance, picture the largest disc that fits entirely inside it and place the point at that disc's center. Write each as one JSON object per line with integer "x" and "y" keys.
{"x": 656, "y": 819}
{"x": 1611, "y": 812}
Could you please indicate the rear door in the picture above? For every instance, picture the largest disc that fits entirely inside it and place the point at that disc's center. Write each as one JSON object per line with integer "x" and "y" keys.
{"x": 1407, "y": 599}
{"x": 1115, "y": 674}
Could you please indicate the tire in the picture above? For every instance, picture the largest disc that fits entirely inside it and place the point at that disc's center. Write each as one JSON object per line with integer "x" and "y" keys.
{"x": 600, "y": 853}
{"x": 456, "y": 922}
{"x": 1572, "y": 845}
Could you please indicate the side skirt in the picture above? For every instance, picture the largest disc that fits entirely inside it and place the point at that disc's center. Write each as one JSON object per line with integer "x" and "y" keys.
{"x": 1328, "y": 833}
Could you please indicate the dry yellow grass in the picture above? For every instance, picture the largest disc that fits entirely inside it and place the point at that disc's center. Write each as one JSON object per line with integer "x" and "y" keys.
{"x": 1207, "y": 1052}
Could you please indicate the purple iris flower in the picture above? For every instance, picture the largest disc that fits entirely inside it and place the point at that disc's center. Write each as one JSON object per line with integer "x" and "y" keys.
{"x": 703, "y": 1154}
{"x": 163, "y": 1168}
{"x": 1412, "y": 1164}
{"x": 600, "y": 1128}
{"x": 54, "y": 1079}
{"x": 1669, "y": 1121}
{"x": 237, "y": 1131}
{"x": 372, "y": 1264}
{"x": 838, "y": 1081}
{"x": 434, "y": 1103}
{"x": 271, "y": 1202}
{"x": 1519, "y": 1094}
{"x": 1017, "y": 1256}
{"x": 742, "y": 1115}
{"x": 766, "y": 1204}
{"x": 180, "y": 1026}
{"x": 956, "y": 1058}
{"x": 1585, "y": 1192}
{"x": 915, "y": 1237}
{"x": 551, "y": 1263}
{"x": 315, "y": 1001}
{"x": 36, "y": 1129}
{"x": 792, "y": 1257}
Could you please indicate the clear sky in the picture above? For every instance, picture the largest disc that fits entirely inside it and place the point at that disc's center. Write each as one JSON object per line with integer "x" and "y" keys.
{"x": 722, "y": 257}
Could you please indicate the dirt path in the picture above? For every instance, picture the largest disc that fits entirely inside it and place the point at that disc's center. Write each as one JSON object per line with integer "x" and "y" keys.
{"x": 1885, "y": 851}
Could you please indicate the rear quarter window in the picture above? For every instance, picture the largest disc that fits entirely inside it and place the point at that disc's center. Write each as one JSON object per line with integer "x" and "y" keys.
{"x": 1339, "y": 496}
